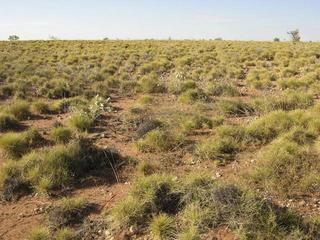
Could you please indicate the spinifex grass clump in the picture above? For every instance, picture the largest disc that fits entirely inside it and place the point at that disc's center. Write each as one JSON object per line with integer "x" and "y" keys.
{"x": 260, "y": 78}
{"x": 225, "y": 90}
{"x": 266, "y": 128}
{"x": 55, "y": 167}
{"x": 67, "y": 212}
{"x": 151, "y": 84}
{"x": 14, "y": 145}
{"x": 291, "y": 100}
{"x": 168, "y": 208}
{"x": 222, "y": 147}
{"x": 20, "y": 109}
{"x": 39, "y": 233}
{"x": 235, "y": 108}
{"x": 149, "y": 195}
{"x": 8, "y": 122}
{"x": 191, "y": 96}
{"x": 41, "y": 107}
{"x": 196, "y": 122}
{"x": 81, "y": 122}
{"x": 290, "y": 164}
{"x": 159, "y": 140}
{"x": 61, "y": 134}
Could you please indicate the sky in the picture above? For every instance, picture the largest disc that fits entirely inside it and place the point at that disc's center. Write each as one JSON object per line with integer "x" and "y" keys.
{"x": 159, "y": 19}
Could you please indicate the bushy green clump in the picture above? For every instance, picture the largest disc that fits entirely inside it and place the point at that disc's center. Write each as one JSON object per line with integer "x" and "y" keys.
{"x": 178, "y": 86}
{"x": 39, "y": 233}
{"x": 8, "y": 122}
{"x": 162, "y": 227}
{"x": 291, "y": 100}
{"x": 260, "y": 79}
{"x": 235, "y": 108}
{"x": 61, "y": 135}
{"x": 265, "y": 129}
{"x": 193, "y": 205}
{"x": 41, "y": 107}
{"x": 148, "y": 196}
{"x": 81, "y": 122}
{"x": 147, "y": 168}
{"x": 65, "y": 105}
{"x": 14, "y": 145}
{"x": 151, "y": 84}
{"x": 67, "y": 212}
{"x": 286, "y": 166}
{"x": 56, "y": 89}
{"x": 226, "y": 90}
{"x": 20, "y": 109}
{"x": 159, "y": 140}
{"x": 196, "y": 122}
{"x": 55, "y": 167}
{"x": 223, "y": 146}
{"x": 190, "y": 96}
{"x": 65, "y": 234}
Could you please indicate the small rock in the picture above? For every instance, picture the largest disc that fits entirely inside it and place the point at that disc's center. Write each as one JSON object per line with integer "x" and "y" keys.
{"x": 302, "y": 203}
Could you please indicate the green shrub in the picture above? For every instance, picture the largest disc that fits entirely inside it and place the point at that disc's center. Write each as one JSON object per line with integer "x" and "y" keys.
{"x": 65, "y": 234}
{"x": 260, "y": 79}
{"x": 266, "y": 128}
{"x": 196, "y": 122}
{"x": 20, "y": 109}
{"x": 12, "y": 183}
{"x": 235, "y": 108}
{"x": 194, "y": 204}
{"x": 33, "y": 137}
{"x": 284, "y": 167}
{"x": 310, "y": 183}
{"x": 59, "y": 165}
{"x": 221, "y": 150}
{"x": 151, "y": 84}
{"x": 225, "y": 90}
{"x": 81, "y": 122}
{"x": 291, "y": 100}
{"x": 190, "y": 96}
{"x": 129, "y": 211}
{"x": 8, "y": 122}
{"x": 67, "y": 212}
{"x": 41, "y": 107}
{"x": 190, "y": 233}
{"x": 60, "y": 135}
{"x": 39, "y": 233}
{"x": 223, "y": 147}
{"x": 162, "y": 227}
{"x": 147, "y": 168}
{"x": 56, "y": 167}
{"x": 148, "y": 196}
{"x": 13, "y": 144}
{"x": 159, "y": 140}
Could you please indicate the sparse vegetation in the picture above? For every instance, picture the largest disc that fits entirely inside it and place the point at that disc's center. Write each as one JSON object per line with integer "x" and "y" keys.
{"x": 245, "y": 115}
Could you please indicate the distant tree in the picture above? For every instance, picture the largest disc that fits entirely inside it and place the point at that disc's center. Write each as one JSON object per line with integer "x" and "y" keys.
{"x": 295, "y": 35}
{"x": 106, "y": 39}
{"x": 51, "y": 37}
{"x": 276, "y": 39}
{"x": 218, "y": 39}
{"x": 13, "y": 38}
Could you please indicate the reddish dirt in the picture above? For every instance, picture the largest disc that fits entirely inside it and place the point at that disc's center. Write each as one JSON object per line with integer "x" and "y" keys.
{"x": 114, "y": 131}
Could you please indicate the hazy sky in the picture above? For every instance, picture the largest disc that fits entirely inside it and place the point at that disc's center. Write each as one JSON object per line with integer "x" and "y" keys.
{"x": 178, "y": 19}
